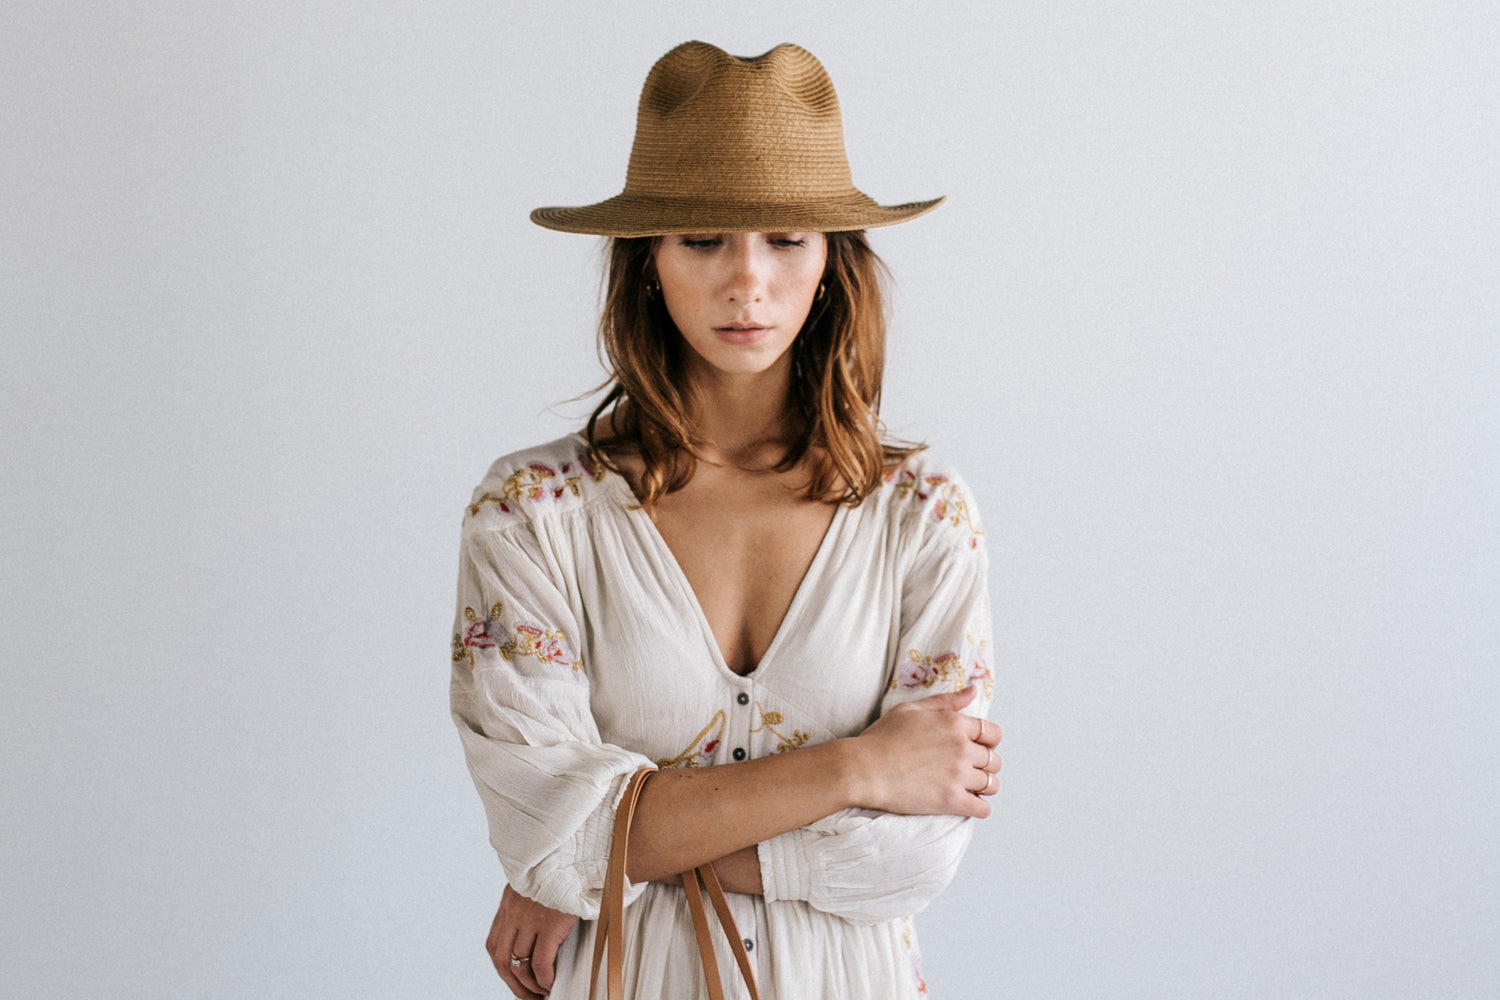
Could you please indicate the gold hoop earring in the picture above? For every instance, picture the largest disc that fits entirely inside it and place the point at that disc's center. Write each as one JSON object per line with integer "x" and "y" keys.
{"x": 653, "y": 289}
{"x": 821, "y": 289}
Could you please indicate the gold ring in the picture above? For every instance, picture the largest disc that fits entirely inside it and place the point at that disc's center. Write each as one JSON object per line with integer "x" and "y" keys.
{"x": 980, "y": 738}
{"x": 987, "y": 785}
{"x": 516, "y": 961}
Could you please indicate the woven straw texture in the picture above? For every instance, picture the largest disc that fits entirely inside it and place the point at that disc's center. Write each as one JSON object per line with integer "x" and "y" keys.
{"x": 726, "y": 144}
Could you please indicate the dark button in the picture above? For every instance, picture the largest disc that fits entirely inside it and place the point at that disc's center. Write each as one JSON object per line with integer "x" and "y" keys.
{"x": 739, "y": 753}
{"x": 749, "y": 945}
{"x": 743, "y": 699}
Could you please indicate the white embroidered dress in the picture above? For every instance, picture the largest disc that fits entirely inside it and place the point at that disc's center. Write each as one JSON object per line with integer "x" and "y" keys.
{"x": 580, "y": 655}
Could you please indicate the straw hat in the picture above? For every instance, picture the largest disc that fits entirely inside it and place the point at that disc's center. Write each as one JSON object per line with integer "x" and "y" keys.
{"x": 725, "y": 144}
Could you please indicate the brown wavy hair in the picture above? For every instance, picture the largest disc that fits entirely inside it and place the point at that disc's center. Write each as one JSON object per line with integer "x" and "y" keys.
{"x": 838, "y": 360}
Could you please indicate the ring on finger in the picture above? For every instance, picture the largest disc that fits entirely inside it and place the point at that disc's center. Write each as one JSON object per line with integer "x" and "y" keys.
{"x": 988, "y": 783}
{"x": 516, "y": 961}
{"x": 990, "y": 759}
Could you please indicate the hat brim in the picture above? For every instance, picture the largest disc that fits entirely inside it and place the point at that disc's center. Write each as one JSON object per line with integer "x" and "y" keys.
{"x": 634, "y": 215}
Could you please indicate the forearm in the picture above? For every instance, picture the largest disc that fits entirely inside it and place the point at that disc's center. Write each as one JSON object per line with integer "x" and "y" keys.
{"x": 688, "y": 817}
{"x": 921, "y": 758}
{"x": 738, "y": 872}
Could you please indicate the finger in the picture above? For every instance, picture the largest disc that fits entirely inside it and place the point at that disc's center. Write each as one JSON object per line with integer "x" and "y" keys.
{"x": 500, "y": 957}
{"x": 499, "y": 945}
{"x": 499, "y": 952}
{"x": 525, "y": 974}
{"x": 987, "y": 734}
{"x": 991, "y": 783}
{"x": 513, "y": 982}
{"x": 975, "y": 803}
{"x": 543, "y": 959}
{"x": 985, "y": 758}
{"x": 501, "y": 960}
{"x": 492, "y": 940}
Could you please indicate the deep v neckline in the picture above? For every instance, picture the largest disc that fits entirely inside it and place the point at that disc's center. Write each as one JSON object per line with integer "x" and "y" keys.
{"x": 689, "y": 597}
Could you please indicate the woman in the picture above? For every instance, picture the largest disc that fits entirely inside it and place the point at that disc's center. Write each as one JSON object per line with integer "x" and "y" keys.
{"x": 730, "y": 567}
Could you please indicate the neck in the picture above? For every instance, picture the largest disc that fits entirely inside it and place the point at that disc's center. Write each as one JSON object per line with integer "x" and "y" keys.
{"x": 744, "y": 420}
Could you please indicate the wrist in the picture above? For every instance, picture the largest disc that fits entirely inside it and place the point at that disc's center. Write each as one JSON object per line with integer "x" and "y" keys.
{"x": 853, "y": 778}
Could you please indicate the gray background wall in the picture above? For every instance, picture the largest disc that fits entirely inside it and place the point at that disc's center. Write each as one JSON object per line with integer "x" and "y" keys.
{"x": 1211, "y": 323}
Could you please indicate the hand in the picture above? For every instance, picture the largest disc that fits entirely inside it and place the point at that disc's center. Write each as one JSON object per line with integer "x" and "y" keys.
{"x": 927, "y": 758}
{"x": 527, "y": 929}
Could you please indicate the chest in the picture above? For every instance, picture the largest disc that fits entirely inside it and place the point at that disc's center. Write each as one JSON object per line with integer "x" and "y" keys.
{"x": 660, "y": 679}
{"x": 744, "y": 547}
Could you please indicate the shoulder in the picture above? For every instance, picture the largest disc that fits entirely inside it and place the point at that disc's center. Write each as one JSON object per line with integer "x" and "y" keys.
{"x": 535, "y": 484}
{"x": 928, "y": 499}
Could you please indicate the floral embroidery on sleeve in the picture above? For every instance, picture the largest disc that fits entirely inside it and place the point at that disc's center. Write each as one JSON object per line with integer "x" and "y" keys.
{"x": 700, "y": 750}
{"x": 547, "y": 645}
{"x": 923, "y": 671}
{"x": 481, "y": 634}
{"x": 770, "y": 720}
{"x": 540, "y": 481}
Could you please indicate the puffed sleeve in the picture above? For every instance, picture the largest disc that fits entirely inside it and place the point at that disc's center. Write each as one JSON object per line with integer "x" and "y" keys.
{"x": 869, "y": 866}
{"x": 520, "y": 699}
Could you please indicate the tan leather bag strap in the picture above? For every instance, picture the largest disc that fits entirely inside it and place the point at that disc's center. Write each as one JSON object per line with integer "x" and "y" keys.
{"x": 611, "y": 923}
{"x": 726, "y": 921}
{"x": 705, "y": 936}
{"x": 609, "y": 931}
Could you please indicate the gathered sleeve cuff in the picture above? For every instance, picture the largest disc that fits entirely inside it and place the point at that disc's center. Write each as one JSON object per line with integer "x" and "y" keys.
{"x": 865, "y": 866}
{"x": 868, "y": 866}
{"x": 520, "y": 699}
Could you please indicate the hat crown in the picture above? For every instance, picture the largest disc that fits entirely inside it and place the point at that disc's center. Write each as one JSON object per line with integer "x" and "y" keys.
{"x": 761, "y": 130}
{"x": 729, "y": 144}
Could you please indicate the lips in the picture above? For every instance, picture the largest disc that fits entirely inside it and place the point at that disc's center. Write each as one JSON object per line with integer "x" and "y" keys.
{"x": 741, "y": 333}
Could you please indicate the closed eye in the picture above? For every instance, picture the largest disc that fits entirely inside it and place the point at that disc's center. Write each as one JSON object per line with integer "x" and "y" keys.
{"x": 700, "y": 242}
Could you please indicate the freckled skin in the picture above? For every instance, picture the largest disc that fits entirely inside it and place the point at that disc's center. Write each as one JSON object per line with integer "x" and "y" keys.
{"x": 712, "y": 281}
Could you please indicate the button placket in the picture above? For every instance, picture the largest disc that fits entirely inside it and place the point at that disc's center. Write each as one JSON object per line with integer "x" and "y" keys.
{"x": 743, "y": 724}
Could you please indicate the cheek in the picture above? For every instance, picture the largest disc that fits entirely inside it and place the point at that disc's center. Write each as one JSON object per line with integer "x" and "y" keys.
{"x": 676, "y": 289}
{"x": 803, "y": 279}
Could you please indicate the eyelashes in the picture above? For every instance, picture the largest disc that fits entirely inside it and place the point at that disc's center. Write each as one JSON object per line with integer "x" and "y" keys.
{"x": 708, "y": 242}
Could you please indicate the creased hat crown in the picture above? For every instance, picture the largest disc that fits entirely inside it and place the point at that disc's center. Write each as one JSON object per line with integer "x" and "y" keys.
{"x": 726, "y": 144}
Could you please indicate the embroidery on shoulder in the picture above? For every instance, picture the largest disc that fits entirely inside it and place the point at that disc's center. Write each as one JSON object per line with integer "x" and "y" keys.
{"x": 538, "y": 481}
{"x": 700, "y": 751}
{"x": 909, "y": 940}
{"x": 944, "y": 497}
{"x": 482, "y": 633}
{"x": 923, "y": 671}
{"x": 770, "y": 720}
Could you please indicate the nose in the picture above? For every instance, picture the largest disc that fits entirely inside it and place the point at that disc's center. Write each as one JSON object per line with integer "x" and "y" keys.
{"x": 747, "y": 270}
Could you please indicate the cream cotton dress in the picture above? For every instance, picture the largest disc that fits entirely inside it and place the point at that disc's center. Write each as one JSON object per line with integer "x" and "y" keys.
{"x": 580, "y": 655}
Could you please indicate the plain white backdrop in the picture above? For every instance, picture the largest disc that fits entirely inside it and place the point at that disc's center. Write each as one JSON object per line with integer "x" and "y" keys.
{"x": 1211, "y": 323}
